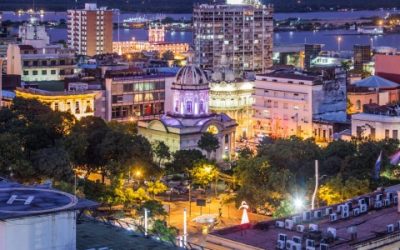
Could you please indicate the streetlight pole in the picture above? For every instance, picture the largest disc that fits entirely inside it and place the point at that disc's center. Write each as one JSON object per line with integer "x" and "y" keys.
{"x": 316, "y": 185}
{"x": 184, "y": 228}
{"x": 145, "y": 221}
{"x": 190, "y": 200}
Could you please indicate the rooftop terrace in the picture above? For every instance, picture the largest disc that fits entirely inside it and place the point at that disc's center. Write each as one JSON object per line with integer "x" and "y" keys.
{"x": 360, "y": 221}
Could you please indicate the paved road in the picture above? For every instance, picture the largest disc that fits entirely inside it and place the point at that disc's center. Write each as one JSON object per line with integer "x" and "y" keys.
{"x": 230, "y": 216}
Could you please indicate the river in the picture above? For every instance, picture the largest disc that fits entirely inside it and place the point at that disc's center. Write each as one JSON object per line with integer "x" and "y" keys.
{"x": 327, "y": 37}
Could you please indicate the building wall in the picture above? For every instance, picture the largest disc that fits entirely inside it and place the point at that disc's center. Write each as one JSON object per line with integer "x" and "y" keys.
{"x": 388, "y": 67}
{"x": 55, "y": 231}
{"x": 135, "y": 97}
{"x": 134, "y": 46}
{"x": 90, "y": 31}
{"x": 241, "y": 33}
{"x": 359, "y": 99}
{"x": 79, "y": 105}
{"x": 376, "y": 127}
{"x": 282, "y": 109}
{"x": 235, "y": 100}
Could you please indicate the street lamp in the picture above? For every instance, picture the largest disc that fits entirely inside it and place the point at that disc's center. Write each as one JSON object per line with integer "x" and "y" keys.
{"x": 339, "y": 40}
{"x": 298, "y": 204}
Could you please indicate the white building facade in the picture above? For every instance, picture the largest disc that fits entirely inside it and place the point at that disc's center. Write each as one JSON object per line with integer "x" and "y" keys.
{"x": 375, "y": 126}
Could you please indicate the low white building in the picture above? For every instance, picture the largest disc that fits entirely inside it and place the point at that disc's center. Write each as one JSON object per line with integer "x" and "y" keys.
{"x": 287, "y": 102}
{"x": 38, "y": 218}
{"x": 33, "y": 34}
{"x": 376, "y": 123}
{"x": 50, "y": 63}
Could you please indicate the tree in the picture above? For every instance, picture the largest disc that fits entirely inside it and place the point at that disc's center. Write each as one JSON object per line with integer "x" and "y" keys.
{"x": 184, "y": 160}
{"x": 168, "y": 55}
{"x": 285, "y": 209}
{"x": 155, "y": 208}
{"x": 209, "y": 143}
{"x": 162, "y": 231}
{"x": 245, "y": 153}
{"x": 203, "y": 173}
{"x": 161, "y": 150}
{"x": 156, "y": 187}
{"x": 337, "y": 190}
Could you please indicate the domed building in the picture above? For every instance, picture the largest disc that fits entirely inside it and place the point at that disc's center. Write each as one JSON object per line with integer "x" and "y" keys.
{"x": 232, "y": 95}
{"x": 182, "y": 127}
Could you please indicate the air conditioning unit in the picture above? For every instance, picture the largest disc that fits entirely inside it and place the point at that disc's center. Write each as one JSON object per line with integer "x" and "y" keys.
{"x": 389, "y": 195}
{"x": 356, "y": 211}
{"x": 300, "y": 228}
{"x": 323, "y": 246}
{"x": 280, "y": 224}
{"x": 378, "y": 204}
{"x": 296, "y": 246}
{"x": 282, "y": 237}
{"x": 296, "y": 239}
{"x": 317, "y": 214}
{"x": 378, "y": 197}
{"x": 289, "y": 244}
{"x": 390, "y": 228}
{"x": 395, "y": 199}
{"x": 313, "y": 227}
{"x": 333, "y": 217}
{"x": 339, "y": 208}
{"x": 310, "y": 243}
{"x": 349, "y": 205}
{"x": 289, "y": 224}
{"x": 306, "y": 216}
{"x": 331, "y": 231}
{"x": 345, "y": 214}
{"x": 386, "y": 202}
{"x": 296, "y": 219}
{"x": 345, "y": 208}
{"x": 328, "y": 211}
{"x": 363, "y": 208}
{"x": 361, "y": 201}
{"x": 280, "y": 244}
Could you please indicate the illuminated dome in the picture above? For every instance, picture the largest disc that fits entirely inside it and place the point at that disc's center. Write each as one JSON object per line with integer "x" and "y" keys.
{"x": 191, "y": 75}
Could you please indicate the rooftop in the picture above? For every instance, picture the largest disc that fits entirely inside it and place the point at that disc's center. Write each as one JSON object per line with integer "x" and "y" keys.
{"x": 376, "y": 82}
{"x": 18, "y": 201}
{"x": 291, "y": 74}
{"x": 368, "y": 216}
{"x": 92, "y": 234}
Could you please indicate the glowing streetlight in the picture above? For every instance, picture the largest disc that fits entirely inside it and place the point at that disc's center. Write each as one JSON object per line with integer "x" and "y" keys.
{"x": 138, "y": 174}
{"x": 298, "y": 204}
{"x": 339, "y": 40}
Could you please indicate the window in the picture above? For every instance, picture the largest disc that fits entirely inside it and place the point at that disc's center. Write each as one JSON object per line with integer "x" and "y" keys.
{"x": 189, "y": 107}
{"x": 276, "y": 105}
{"x": 77, "y": 109}
{"x": 372, "y": 135}
{"x": 117, "y": 98}
{"x": 387, "y": 133}
{"x": 35, "y": 63}
{"x": 128, "y": 87}
{"x": 53, "y": 71}
{"x": 62, "y": 72}
{"x": 177, "y": 106}
{"x": 358, "y": 104}
{"x": 395, "y": 134}
{"x": 88, "y": 107}
{"x": 26, "y": 72}
{"x": 201, "y": 106}
{"x": 56, "y": 106}
{"x": 44, "y": 72}
{"x": 26, "y": 63}
{"x": 44, "y": 63}
{"x": 34, "y": 72}
{"x": 285, "y": 105}
{"x": 359, "y": 132}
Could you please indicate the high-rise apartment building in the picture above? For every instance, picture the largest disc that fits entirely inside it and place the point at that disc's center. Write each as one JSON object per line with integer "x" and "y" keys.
{"x": 311, "y": 51}
{"x": 90, "y": 30}
{"x": 362, "y": 54}
{"x": 241, "y": 31}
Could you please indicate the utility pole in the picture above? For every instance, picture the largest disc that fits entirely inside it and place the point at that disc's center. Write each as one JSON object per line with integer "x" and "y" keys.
{"x": 316, "y": 185}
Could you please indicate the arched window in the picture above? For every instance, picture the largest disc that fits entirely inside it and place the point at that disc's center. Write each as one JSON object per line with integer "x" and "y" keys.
{"x": 201, "y": 106}
{"x": 189, "y": 108}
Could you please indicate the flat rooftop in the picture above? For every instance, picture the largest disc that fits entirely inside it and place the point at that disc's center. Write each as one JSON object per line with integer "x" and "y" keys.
{"x": 370, "y": 225}
{"x": 17, "y": 201}
{"x": 95, "y": 235}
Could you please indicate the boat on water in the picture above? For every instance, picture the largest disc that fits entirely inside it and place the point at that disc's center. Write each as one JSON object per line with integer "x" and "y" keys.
{"x": 371, "y": 30}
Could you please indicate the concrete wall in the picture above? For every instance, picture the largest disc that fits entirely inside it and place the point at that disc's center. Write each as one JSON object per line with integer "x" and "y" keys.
{"x": 55, "y": 231}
